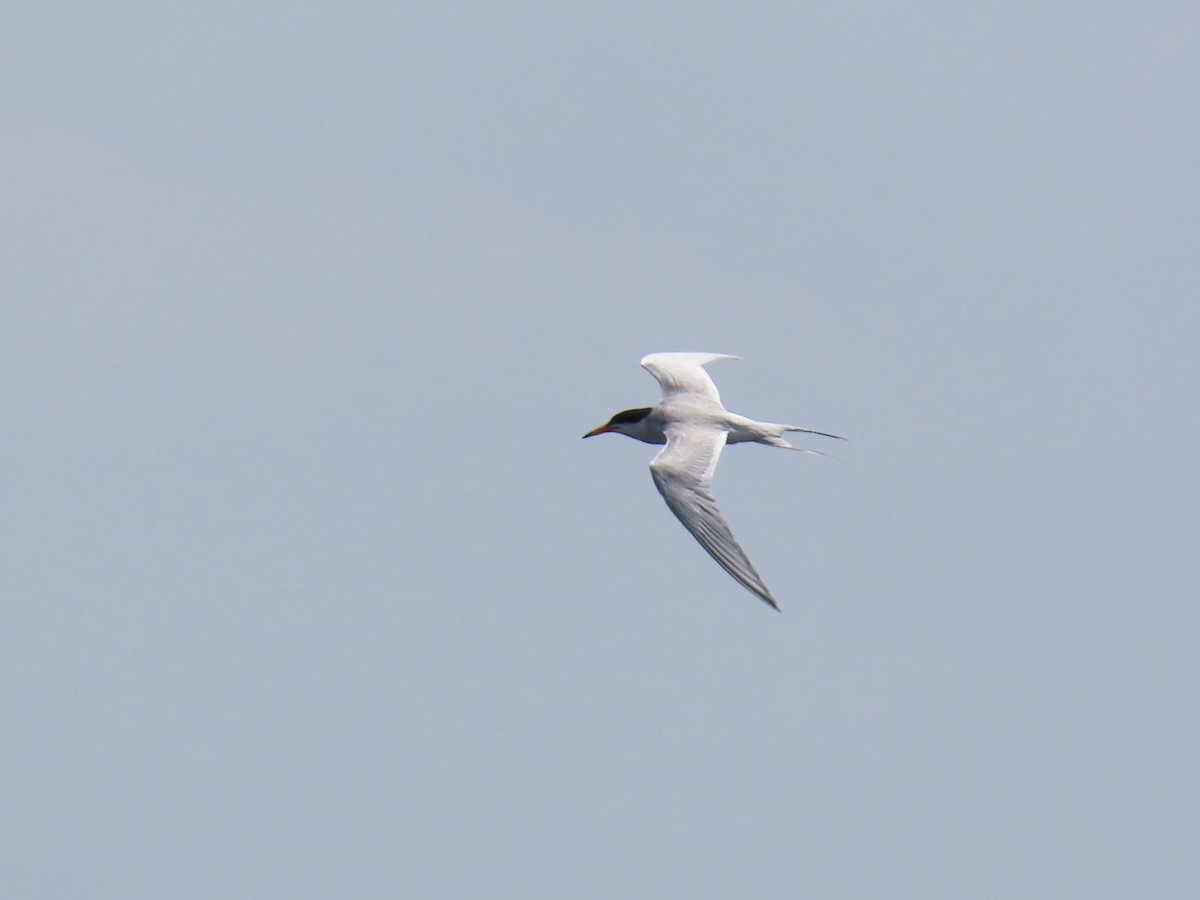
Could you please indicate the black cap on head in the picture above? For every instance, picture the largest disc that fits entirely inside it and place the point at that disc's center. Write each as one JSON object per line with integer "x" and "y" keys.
{"x": 630, "y": 416}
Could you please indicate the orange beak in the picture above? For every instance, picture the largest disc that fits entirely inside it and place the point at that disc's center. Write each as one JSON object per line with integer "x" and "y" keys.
{"x": 603, "y": 429}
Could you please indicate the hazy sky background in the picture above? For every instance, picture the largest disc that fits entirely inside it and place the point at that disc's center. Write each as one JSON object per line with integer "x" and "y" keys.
{"x": 310, "y": 588}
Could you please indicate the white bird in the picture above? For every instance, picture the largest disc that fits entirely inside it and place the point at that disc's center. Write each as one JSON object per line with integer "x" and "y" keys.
{"x": 695, "y": 427}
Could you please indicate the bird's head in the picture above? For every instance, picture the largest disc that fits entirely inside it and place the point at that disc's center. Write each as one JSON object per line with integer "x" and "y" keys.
{"x": 629, "y": 422}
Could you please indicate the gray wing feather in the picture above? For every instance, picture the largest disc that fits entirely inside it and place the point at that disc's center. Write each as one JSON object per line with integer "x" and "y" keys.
{"x": 683, "y": 373}
{"x": 683, "y": 473}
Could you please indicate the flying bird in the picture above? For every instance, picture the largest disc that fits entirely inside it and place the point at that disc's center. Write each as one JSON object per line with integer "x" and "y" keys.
{"x": 695, "y": 427}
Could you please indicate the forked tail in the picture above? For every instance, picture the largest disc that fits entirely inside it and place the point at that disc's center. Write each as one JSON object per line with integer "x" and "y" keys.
{"x": 812, "y": 431}
{"x": 776, "y": 440}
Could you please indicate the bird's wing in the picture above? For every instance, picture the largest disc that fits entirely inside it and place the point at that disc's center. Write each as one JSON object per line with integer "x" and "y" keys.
{"x": 683, "y": 472}
{"x": 683, "y": 373}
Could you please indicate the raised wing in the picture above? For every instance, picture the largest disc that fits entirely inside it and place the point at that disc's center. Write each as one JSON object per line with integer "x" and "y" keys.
{"x": 683, "y": 472}
{"x": 683, "y": 373}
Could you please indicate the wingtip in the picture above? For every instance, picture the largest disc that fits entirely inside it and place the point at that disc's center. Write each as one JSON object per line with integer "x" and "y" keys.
{"x": 698, "y": 356}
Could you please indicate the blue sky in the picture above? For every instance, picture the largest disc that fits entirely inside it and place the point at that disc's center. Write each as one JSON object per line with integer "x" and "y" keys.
{"x": 311, "y": 588}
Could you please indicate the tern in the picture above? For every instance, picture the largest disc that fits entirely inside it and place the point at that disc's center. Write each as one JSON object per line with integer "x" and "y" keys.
{"x": 695, "y": 427}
